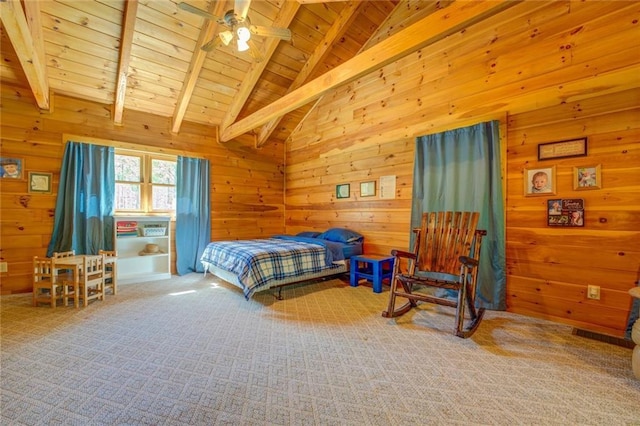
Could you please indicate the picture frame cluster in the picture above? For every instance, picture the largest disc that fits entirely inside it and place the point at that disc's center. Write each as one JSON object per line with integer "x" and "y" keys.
{"x": 367, "y": 189}
{"x": 37, "y": 182}
{"x": 541, "y": 181}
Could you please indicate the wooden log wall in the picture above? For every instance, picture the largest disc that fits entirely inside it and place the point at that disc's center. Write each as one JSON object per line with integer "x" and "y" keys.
{"x": 550, "y": 268}
{"x": 246, "y": 184}
{"x": 550, "y": 71}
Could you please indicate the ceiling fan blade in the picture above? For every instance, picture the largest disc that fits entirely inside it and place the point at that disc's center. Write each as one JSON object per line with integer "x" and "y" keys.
{"x": 211, "y": 44}
{"x": 254, "y": 51}
{"x": 241, "y": 8}
{"x": 200, "y": 12}
{"x": 283, "y": 33}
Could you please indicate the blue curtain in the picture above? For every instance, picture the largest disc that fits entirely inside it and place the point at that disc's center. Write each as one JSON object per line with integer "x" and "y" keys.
{"x": 83, "y": 219}
{"x": 633, "y": 316}
{"x": 459, "y": 170}
{"x": 193, "y": 210}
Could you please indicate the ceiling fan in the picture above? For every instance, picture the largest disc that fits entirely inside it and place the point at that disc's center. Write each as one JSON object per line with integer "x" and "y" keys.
{"x": 240, "y": 28}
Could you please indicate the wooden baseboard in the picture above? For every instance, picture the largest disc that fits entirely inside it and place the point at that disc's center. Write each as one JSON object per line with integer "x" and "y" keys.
{"x": 604, "y": 338}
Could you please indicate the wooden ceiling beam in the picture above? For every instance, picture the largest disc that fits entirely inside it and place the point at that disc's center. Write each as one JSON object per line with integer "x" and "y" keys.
{"x": 339, "y": 27}
{"x": 32, "y": 14}
{"x": 28, "y": 45}
{"x": 317, "y": 1}
{"x": 126, "y": 40}
{"x": 283, "y": 20}
{"x": 428, "y": 30}
{"x": 381, "y": 32}
{"x": 209, "y": 31}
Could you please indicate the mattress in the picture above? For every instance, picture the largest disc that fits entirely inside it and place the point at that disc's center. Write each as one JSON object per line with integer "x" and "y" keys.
{"x": 256, "y": 265}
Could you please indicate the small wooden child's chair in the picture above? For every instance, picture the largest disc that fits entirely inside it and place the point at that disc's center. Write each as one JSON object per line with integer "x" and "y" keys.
{"x": 110, "y": 270}
{"x": 46, "y": 287}
{"x": 91, "y": 279}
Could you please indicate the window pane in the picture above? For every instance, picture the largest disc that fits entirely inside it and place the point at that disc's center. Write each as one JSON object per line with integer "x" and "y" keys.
{"x": 163, "y": 172}
{"x": 127, "y": 196}
{"x": 128, "y": 168}
{"x": 163, "y": 198}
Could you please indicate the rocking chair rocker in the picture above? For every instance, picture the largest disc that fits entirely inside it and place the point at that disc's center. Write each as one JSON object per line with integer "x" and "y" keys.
{"x": 445, "y": 255}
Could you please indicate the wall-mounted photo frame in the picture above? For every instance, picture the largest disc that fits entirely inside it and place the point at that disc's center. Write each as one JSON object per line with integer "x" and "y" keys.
{"x": 368, "y": 189}
{"x": 587, "y": 177}
{"x": 11, "y": 168}
{"x": 540, "y": 181}
{"x": 343, "y": 190}
{"x": 563, "y": 149}
{"x": 565, "y": 212}
{"x": 40, "y": 183}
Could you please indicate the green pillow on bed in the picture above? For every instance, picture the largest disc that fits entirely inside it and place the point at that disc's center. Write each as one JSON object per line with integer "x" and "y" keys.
{"x": 341, "y": 235}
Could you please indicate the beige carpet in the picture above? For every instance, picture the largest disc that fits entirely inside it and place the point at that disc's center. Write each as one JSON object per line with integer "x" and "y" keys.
{"x": 193, "y": 351}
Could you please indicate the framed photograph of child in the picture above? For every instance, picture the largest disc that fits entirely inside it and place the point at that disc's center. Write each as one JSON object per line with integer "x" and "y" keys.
{"x": 11, "y": 168}
{"x": 540, "y": 181}
{"x": 40, "y": 183}
{"x": 587, "y": 177}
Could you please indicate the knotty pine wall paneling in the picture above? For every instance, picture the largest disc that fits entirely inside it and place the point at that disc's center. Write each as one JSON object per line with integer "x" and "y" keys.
{"x": 247, "y": 185}
{"x": 555, "y": 70}
{"x": 550, "y": 268}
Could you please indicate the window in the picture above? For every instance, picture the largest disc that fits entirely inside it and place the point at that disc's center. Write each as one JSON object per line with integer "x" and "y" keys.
{"x": 145, "y": 183}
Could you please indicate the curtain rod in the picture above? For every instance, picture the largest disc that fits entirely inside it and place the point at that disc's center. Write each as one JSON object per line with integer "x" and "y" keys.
{"x": 66, "y": 137}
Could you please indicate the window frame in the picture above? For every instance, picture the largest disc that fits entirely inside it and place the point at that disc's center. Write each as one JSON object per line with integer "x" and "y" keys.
{"x": 146, "y": 186}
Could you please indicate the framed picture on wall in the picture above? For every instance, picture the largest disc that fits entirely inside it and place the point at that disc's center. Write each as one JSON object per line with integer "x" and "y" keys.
{"x": 343, "y": 191}
{"x": 562, "y": 149}
{"x": 566, "y": 212}
{"x": 11, "y": 168}
{"x": 540, "y": 181}
{"x": 368, "y": 189}
{"x": 587, "y": 177}
{"x": 40, "y": 183}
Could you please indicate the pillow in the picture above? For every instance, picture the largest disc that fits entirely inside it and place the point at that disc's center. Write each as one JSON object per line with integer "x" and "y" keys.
{"x": 341, "y": 235}
{"x": 308, "y": 234}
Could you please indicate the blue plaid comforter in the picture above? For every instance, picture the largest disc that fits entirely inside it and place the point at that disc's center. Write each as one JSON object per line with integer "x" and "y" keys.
{"x": 258, "y": 262}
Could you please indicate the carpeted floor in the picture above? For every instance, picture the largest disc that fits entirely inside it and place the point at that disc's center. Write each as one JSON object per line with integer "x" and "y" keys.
{"x": 192, "y": 351}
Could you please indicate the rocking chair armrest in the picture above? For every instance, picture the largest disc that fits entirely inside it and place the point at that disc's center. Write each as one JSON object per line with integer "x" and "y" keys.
{"x": 402, "y": 253}
{"x": 469, "y": 262}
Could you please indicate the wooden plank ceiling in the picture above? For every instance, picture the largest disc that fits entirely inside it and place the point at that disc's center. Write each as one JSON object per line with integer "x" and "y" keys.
{"x": 145, "y": 55}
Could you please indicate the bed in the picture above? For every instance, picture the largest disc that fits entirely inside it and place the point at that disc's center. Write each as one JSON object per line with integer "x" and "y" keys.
{"x": 260, "y": 264}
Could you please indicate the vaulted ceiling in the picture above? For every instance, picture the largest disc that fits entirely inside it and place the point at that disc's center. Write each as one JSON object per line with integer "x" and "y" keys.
{"x": 145, "y": 55}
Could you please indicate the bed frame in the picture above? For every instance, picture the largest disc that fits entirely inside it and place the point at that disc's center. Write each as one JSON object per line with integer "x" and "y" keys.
{"x": 233, "y": 278}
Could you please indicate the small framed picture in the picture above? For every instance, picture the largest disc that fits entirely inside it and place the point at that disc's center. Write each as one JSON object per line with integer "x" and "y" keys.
{"x": 566, "y": 212}
{"x": 368, "y": 189}
{"x": 587, "y": 177}
{"x": 540, "y": 181}
{"x": 11, "y": 168}
{"x": 40, "y": 183}
{"x": 343, "y": 190}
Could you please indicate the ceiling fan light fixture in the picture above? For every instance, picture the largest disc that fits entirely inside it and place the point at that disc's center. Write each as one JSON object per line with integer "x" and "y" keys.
{"x": 243, "y": 33}
{"x": 226, "y": 37}
{"x": 242, "y": 46}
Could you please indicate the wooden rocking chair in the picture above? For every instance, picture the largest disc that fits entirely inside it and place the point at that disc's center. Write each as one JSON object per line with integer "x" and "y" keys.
{"x": 445, "y": 255}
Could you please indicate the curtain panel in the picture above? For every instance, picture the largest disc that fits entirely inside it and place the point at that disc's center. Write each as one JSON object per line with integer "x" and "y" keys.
{"x": 459, "y": 170}
{"x": 193, "y": 211}
{"x": 83, "y": 219}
